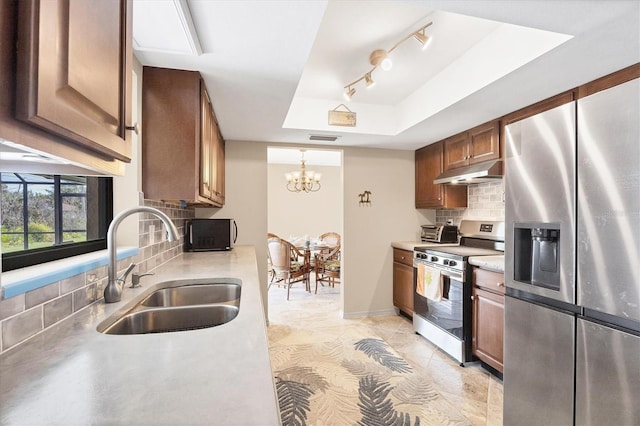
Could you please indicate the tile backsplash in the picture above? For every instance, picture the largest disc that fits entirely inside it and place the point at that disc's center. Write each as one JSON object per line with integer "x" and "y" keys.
{"x": 25, "y": 315}
{"x": 485, "y": 201}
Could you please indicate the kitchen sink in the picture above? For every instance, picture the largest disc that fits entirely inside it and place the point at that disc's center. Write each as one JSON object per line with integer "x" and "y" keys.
{"x": 194, "y": 295}
{"x": 167, "y": 320}
{"x": 178, "y": 305}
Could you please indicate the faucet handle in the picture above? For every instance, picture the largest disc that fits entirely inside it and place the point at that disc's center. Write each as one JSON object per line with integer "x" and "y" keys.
{"x": 123, "y": 277}
{"x": 135, "y": 278}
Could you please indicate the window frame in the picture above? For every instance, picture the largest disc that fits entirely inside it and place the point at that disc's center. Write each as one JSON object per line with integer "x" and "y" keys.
{"x": 31, "y": 257}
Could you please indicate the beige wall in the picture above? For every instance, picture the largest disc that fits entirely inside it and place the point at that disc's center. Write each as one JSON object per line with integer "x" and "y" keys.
{"x": 300, "y": 213}
{"x": 246, "y": 199}
{"x": 367, "y": 231}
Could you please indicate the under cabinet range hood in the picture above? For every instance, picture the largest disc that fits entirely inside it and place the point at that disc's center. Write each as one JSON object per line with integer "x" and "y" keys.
{"x": 487, "y": 171}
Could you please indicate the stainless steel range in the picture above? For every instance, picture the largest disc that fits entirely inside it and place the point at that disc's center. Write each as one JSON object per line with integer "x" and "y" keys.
{"x": 442, "y": 289}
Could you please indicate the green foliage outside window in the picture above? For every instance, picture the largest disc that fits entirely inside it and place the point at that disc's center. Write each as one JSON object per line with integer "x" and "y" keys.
{"x": 33, "y": 197}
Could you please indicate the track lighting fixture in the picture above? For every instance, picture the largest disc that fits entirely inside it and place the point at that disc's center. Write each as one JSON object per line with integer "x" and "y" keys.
{"x": 380, "y": 58}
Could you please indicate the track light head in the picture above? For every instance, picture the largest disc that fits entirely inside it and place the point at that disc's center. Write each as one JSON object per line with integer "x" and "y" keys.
{"x": 381, "y": 58}
{"x": 349, "y": 92}
{"x": 422, "y": 38}
{"x": 369, "y": 81}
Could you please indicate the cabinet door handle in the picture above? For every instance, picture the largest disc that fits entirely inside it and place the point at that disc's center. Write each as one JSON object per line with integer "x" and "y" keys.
{"x": 473, "y": 298}
{"x": 402, "y": 257}
{"x": 500, "y": 284}
{"x": 134, "y": 128}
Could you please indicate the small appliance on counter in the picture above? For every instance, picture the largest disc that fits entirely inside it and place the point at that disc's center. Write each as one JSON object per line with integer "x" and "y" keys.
{"x": 210, "y": 234}
{"x": 439, "y": 234}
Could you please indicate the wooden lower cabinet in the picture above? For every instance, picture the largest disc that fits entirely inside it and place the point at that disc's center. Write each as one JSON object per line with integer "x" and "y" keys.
{"x": 488, "y": 317}
{"x": 403, "y": 280}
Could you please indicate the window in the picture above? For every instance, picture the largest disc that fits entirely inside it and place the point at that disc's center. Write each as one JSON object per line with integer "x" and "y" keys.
{"x": 49, "y": 217}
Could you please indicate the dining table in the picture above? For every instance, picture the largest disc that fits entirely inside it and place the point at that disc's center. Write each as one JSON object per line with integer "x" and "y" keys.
{"x": 310, "y": 249}
{"x": 314, "y": 247}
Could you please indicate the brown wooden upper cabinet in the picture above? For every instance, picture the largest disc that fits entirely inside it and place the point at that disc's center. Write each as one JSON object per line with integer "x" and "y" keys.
{"x": 429, "y": 164}
{"x": 479, "y": 144}
{"x": 212, "y": 153}
{"x": 183, "y": 152}
{"x": 74, "y": 72}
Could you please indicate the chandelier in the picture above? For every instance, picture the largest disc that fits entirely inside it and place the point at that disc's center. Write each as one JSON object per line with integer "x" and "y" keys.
{"x": 303, "y": 180}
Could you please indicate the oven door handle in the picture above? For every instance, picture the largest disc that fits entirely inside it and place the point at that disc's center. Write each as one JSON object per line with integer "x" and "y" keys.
{"x": 444, "y": 271}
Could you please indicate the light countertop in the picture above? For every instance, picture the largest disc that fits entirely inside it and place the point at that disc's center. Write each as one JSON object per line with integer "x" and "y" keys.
{"x": 493, "y": 263}
{"x": 71, "y": 374}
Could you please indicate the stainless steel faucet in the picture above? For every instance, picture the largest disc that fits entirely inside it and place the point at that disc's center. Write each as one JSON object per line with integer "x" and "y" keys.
{"x": 113, "y": 290}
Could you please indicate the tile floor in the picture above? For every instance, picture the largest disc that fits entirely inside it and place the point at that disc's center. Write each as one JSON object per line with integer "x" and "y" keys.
{"x": 473, "y": 393}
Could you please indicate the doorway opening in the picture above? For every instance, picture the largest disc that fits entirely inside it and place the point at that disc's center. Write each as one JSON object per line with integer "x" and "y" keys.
{"x": 300, "y": 216}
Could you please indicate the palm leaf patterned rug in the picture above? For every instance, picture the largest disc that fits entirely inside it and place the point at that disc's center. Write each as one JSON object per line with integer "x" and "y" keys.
{"x": 364, "y": 382}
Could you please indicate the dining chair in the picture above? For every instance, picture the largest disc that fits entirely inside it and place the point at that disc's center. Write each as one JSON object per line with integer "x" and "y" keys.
{"x": 289, "y": 264}
{"x": 327, "y": 267}
{"x": 272, "y": 272}
{"x": 331, "y": 238}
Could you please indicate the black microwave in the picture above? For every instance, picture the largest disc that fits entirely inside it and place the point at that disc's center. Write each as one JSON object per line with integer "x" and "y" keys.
{"x": 210, "y": 234}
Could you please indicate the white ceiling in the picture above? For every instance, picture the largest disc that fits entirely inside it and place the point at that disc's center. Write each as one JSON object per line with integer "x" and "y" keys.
{"x": 269, "y": 64}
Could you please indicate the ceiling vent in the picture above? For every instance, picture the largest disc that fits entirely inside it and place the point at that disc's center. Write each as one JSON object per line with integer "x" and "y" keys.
{"x": 323, "y": 138}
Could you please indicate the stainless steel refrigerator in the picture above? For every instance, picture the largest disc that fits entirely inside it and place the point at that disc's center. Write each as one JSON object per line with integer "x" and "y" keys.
{"x": 572, "y": 263}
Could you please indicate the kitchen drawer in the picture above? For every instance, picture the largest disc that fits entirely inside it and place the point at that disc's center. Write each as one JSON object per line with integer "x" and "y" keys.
{"x": 403, "y": 256}
{"x": 488, "y": 280}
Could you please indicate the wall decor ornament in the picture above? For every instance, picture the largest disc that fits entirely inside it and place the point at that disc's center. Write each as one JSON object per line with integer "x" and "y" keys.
{"x": 342, "y": 118}
{"x": 365, "y": 198}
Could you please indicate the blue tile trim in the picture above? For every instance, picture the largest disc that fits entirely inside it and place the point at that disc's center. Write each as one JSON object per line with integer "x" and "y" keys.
{"x": 17, "y": 287}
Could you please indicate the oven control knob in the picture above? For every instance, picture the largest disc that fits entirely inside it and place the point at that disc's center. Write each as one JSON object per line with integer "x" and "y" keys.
{"x": 445, "y": 262}
{"x": 452, "y": 263}
{"x": 434, "y": 259}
